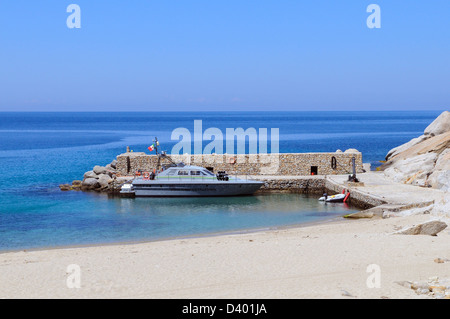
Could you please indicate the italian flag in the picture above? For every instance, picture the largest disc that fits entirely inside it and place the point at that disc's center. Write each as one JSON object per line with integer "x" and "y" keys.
{"x": 151, "y": 147}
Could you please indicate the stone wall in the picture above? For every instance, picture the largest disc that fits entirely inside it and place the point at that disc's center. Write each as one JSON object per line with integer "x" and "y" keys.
{"x": 357, "y": 198}
{"x": 287, "y": 164}
{"x": 303, "y": 184}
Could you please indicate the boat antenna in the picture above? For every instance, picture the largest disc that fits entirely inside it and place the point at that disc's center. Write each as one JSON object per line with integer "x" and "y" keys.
{"x": 156, "y": 145}
{"x": 162, "y": 155}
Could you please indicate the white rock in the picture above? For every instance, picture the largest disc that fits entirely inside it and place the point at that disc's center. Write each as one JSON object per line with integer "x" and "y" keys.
{"x": 413, "y": 170}
{"x": 442, "y": 208}
{"x": 422, "y": 291}
{"x": 431, "y": 228}
{"x": 416, "y": 211}
{"x": 440, "y": 125}
{"x": 440, "y": 179}
{"x": 395, "y": 151}
{"x": 443, "y": 161}
{"x": 425, "y": 160}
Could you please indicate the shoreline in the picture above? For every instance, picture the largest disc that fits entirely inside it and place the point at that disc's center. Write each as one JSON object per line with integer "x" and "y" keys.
{"x": 318, "y": 260}
{"x": 182, "y": 237}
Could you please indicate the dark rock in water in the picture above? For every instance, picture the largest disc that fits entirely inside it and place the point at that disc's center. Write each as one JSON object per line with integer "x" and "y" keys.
{"x": 100, "y": 178}
{"x": 65, "y": 187}
{"x": 91, "y": 183}
{"x": 76, "y": 185}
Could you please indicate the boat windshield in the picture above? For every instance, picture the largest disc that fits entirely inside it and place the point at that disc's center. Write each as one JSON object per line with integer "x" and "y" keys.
{"x": 187, "y": 172}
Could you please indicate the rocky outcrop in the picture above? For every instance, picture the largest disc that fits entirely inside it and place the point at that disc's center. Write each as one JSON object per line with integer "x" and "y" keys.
{"x": 100, "y": 179}
{"x": 440, "y": 126}
{"x": 425, "y": 160}
{"x": 76, "y": 185}
{"x": 90, "y": 183}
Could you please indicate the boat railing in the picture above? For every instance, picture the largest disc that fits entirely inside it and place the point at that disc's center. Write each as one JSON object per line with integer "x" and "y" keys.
{"x": 234, "y": 175}
{"x": 184, "y": 178}
{"x": 242, "y": 175}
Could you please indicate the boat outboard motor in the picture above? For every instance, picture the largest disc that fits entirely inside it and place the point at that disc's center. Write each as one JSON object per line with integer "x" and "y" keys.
{"x": 222, "y": 176}
{"x": 352, "y": 178}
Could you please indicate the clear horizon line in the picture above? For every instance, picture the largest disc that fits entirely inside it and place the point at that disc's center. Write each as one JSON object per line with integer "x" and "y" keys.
{"x": 221, "y": 111}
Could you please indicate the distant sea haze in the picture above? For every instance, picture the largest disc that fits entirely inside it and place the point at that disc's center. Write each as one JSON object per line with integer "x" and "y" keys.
{"x": 39, "y": 151}
{"x": 372, "y": 133}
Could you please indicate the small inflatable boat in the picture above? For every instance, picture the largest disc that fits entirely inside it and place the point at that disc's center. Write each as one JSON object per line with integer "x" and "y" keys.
{"x": 335, "y": 198}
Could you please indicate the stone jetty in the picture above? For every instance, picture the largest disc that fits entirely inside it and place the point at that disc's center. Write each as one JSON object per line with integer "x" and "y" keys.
{"x": 99, "y": 179}
{"x": 290, "y": 172}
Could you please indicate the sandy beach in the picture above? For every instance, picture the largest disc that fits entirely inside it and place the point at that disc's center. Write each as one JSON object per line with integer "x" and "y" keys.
{"x": 317, "y": 261}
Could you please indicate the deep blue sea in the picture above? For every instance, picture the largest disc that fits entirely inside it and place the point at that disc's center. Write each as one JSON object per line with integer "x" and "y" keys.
{"x": 39, "y": 151}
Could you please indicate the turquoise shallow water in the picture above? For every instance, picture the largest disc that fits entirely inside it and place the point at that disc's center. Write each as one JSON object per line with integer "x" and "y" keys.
{"x": 64, "y": 219}
{"x": 38, "y": 151}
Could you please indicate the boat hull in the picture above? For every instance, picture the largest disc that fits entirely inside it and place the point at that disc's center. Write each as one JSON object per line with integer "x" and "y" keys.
{"x": 167, "y": 189}
{"x": 334, "y": 198}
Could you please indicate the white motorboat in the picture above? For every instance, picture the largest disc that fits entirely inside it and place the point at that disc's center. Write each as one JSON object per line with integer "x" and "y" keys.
{"x": 184, "y": 180}
{"x": 179, "y": 180}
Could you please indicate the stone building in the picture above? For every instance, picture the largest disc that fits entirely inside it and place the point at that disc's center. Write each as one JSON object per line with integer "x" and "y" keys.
{"x": 287, "y": 164}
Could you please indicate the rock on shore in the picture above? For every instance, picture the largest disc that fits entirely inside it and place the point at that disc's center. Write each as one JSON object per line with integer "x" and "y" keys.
{"x": 101, "y": 179}
{"x": 431, "y": 228}
{"x": 425, "y": 160}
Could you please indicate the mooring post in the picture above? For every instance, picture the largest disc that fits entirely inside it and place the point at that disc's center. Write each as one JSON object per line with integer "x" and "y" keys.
{"x": 354, "y": 167}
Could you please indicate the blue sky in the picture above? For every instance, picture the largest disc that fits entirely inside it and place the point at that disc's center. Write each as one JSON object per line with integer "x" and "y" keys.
{"x": 217, "y": 55}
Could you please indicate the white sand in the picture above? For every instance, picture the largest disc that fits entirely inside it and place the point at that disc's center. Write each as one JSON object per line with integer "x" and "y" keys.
{"x": 318, "y": 261}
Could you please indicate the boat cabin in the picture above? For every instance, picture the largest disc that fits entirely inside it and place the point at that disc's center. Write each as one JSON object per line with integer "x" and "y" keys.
{"x": 186, "y": 171}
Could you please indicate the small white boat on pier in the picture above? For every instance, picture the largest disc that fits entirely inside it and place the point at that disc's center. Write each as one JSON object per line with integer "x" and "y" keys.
{"x": 338, "y": 198}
